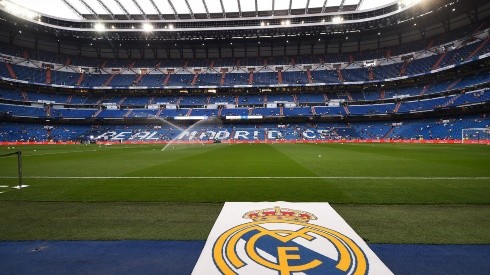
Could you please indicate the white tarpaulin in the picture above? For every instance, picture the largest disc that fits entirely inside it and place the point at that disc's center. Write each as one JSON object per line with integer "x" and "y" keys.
{"x": 285, "y": 238}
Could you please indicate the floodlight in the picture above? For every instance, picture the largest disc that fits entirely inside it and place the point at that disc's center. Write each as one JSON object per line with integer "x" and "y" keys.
{"x": 337, "y": 19}
{"x": 147, "y": 27}
{"x": 99, "y": 27}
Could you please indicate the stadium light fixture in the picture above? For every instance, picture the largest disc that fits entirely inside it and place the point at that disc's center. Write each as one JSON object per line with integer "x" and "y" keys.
{"x": 337, "y": 19}
{"x": 171, "y": 26}
{"x": 99, "y": 27}
{"x": 147, "y": 27}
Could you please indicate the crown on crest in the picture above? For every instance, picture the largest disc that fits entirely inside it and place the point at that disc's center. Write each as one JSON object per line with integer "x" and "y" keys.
{"x": 278, "y": 213}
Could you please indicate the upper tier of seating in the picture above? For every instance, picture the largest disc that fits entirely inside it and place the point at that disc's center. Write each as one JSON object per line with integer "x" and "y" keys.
{"x": 232, "y": 72}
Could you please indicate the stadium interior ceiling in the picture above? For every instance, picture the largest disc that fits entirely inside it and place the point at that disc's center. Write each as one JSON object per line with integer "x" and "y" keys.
{"x": 98, "y": 29}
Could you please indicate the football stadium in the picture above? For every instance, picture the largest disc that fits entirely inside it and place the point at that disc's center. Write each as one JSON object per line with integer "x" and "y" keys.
{"x": 244, "y": 137}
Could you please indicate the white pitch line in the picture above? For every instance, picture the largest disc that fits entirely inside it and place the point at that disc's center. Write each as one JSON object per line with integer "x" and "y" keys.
{"x": 4, "y": 186}
{"x": 258, "y": 177}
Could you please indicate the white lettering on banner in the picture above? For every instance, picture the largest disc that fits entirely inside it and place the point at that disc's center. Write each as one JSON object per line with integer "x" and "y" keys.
{"x": 151, "y": 137}
{"x": 187, "y": 135}
{"x": 307, "y": 132}
{"x": 106, "y": 136}
{"x": 273, "y": 134}
{"x": 121, "y": 136}
{"x": 285, "y": 238}
{"x": 241, "y": 134}
{"x": 140, "y": 136}
{"x": 222, "y": 135}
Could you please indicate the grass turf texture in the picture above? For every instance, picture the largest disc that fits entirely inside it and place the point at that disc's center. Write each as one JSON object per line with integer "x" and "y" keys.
{"x": 389, "y": 193}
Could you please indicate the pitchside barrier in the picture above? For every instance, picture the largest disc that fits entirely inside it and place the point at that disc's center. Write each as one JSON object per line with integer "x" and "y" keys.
{"x": 466, "y": 141}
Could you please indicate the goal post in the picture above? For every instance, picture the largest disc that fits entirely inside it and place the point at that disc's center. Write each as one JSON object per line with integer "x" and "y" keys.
{"x": 19, "y": 167}
{"x": 475, "y": 135}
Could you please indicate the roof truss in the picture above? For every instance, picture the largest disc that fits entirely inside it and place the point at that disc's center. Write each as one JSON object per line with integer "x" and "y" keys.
{"x": 90, "y": 9}
{"x": 206, "y": 8}
{"x": 190, "y": 9}
{"x": 73, "y": 8}
{"x": 173, "y": 9}
{"x": 124, "y": 9}
{"x": 140, "y": 9}
{"x": 157, "y": 9}
{"x": 106, "y": 9}
{"x": 223, "y": 8}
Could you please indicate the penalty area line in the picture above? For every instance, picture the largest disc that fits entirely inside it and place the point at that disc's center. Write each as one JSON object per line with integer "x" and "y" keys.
{"x": 251, "y": 177}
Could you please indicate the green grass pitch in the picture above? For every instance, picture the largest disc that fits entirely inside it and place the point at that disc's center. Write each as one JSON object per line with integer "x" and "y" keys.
{"x": 389, "y": 193}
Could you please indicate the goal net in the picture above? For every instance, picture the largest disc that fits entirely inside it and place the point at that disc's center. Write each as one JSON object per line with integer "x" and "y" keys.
{"x": 475, "y": 135}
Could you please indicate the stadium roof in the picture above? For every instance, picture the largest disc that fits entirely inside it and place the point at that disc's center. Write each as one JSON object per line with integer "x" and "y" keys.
{"x": 189, "y": 9}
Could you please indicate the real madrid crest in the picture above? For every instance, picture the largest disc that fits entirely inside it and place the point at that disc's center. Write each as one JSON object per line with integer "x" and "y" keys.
{"x": 284, "y": 241}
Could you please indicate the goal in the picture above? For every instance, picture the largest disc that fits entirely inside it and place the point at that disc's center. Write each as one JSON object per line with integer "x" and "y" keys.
{"x": 475, "y": 135}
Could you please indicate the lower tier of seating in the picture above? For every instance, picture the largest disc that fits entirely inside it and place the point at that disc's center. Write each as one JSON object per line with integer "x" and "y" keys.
{"x": 427, "y": 129}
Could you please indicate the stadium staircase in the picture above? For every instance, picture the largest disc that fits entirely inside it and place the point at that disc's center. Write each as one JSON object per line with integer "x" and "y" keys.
{"x": 47, "y": 108}
{"x": 25, "y": 54}
{"x": 431, "y": 43}
{"x": 186, "y": 63}
{"x": 387, "y": 134}
{"x": 121, "y": 101}
{"x": 438, "y": 62}
{"x": 454, "y": 83}
{"x": 371, "y": 73}
{"x": 48, "y": 75}
{"x": 211, "y": 64}
{"x": 313, "y": 111}
{"x": 238, "y": 63}
{"x": 351, "y": 58}
{"x": 97, "y": 113}
{"x": 194, "y": 80}
{"x": 451, "y": 100}
{"x": 167, "y": 79}
{"x": 131, "y": 65}
{"x": 388, "y": 53}
{"x": 482, "y": 44}
{"x": 341, "y": 77}
{"x": 68, "y": 100}
{"x": 308, "y": 73}
{"x": 68, "y": 61}
{"x": 281, "y": 111}
{"x": 236, "y": 100}
{"x": 220, "y": 109}
{"x": 397, "y": 107}
{"x": 151, "y": 100}
{"x": 11, "y": 70}
{"x": 279, "y": 76}
{"x": 109, "y": 80}
{"x": 382, "y": 94}
{"x": 128, "y": 113}
{"x": 250, "y": 111}
{"x": 295, "y": 98}
{"x": 178, "y": 101}
{"x": 251, "y": 78}
{"x": 159, "y": 112}
{"x": 223, "y": 77}
{"x": 138, "y": 80}
{"x": 24, "y": 96}
{"x": 346, "y": 109}
{"x": 403, "y": 68}
{"x": 349, "y": 96}
{"x": 208, "y": 100}
{"x": 103, "y": 64}
{"x": 426, "y": 87}
{"x": 80, "y": 79}
{"x": 293, "y": 61}
{"x": 325, "y": 97}
{"x": 189, "y": 112}
{"x": 265, "y": 62}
